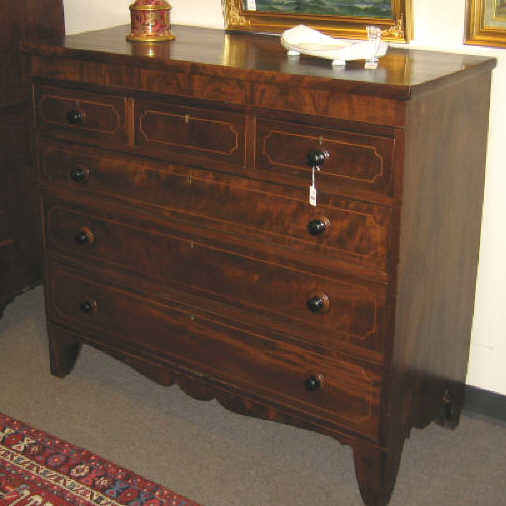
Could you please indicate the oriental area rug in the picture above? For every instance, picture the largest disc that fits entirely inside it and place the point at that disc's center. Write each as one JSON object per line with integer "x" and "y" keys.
{"x": 37, "y": 469}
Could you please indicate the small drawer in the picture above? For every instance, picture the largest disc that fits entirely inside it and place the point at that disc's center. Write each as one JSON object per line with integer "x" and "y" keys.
{"x": 339, "y": 391}
{"x": 312, "y": 308}
{"x": 353, "y": 163}
{"x": 82, "y": 116}
{"x": 207, "y": 137}
{"x": 349, "y": 233}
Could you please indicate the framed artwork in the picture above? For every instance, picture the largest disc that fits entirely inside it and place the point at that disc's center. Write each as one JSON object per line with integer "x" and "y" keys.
{"x": 486, "y": 23}
{"x": 339, "y": 18}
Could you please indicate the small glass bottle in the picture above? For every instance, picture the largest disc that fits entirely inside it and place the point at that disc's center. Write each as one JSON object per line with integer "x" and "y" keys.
{"x": 374, "y": 38}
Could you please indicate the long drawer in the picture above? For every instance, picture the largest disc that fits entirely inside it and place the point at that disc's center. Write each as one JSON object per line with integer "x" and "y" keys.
{"x": 353, "y": 234}
{"x": 341, "y": 391}
{"x": 315, "y": 308}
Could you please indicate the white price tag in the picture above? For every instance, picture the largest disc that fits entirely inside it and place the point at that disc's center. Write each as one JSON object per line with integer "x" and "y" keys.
{"x": 312, "y": 195}
{"x": 370, "y": 65}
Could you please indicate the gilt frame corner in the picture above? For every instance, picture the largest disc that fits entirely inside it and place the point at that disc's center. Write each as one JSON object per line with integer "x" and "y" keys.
{"x": 397, "y": 29}
{"x": 486, "y": 23}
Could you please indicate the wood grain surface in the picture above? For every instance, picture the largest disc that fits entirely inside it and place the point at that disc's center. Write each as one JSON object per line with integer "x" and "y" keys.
{"x": 179, "y": 236}
{"x": 20, "y": 251}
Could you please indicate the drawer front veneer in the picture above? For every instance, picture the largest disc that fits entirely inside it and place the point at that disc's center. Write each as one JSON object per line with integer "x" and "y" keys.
{"x": 349, "y": 232}
{"x": 174, "y": 132}
{"x": 349, "y": 393}
{"x": 355, "y": 162}
{"x": 82, "y": 116}
{"x": 326, "y": 311}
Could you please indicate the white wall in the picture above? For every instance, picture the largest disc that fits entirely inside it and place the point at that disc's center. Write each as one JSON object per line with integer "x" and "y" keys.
{"x": 438, "y": 25}
{"x": 84, "y": 15}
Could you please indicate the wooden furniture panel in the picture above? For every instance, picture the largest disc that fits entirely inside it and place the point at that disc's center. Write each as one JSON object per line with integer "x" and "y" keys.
{"x": 24, "y": 20}
{"x": 176, "y": 132}
{"x": 357, "y": 233}
{"x": 296, "y": 301}
{"x": 4, "y": 204}
{"x": 6, "y": 260}
{"x": 70, "y": 114}
{"x": 4, "y": 231}
{"x": 19, "y": 205}
{"x": 20, "y": 266}
{"x": 196, "y": 238}
{"x": 437, "y": 284}
{"x": 357, "y": 161}
{"x": 347, "y": 392}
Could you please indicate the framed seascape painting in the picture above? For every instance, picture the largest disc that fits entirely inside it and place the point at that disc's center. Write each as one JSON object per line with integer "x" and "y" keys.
{"x": 339, "y": 18}
{"x": 486, "y": 23}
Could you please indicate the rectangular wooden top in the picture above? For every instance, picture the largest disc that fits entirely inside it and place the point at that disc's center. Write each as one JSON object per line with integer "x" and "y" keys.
{"x": 260, "y": 58}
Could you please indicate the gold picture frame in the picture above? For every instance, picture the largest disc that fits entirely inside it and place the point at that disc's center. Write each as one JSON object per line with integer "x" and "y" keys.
{"x": 398, "y": 28}
{"x": 486, "y": 23}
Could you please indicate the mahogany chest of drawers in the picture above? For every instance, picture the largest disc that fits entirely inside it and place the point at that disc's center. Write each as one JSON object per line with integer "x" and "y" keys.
{"x": 179, "y": 236}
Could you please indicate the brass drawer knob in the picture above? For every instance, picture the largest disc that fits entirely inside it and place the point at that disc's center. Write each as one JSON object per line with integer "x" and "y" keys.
{"x": 85, "y": 236}
{"x": 314, "y": 382}
{"x": 319, "y": 303}
{"x": 80, "y": 174}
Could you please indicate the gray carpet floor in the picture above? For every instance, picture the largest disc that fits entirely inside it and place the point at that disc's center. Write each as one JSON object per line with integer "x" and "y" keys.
{"x": 218, "y": 458}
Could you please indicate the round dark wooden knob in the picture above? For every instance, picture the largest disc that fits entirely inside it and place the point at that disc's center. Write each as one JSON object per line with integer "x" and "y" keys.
{"x": 317, "y": 157}
{"x": 318, "y": 226}
{"x": 75, "y": 117}
{"x": 85, "y": 236}
{"x": 88, "y": 306}
{"x": 314, "y": 382}
{"x": 80, "y": 174}
{"x": 319, "y": 303}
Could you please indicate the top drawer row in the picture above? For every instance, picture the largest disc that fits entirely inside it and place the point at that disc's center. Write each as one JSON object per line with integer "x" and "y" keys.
{"x": 265, "y": 149}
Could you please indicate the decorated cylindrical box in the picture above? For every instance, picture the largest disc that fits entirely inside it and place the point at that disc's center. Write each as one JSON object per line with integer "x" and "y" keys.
{"x": 150, "y": 21}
